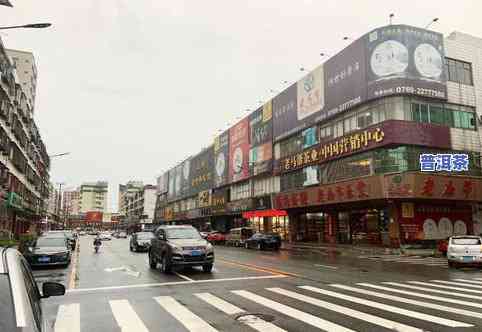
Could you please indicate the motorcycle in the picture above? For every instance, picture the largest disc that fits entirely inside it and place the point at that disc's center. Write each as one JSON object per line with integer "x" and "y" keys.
{"x": 97, "y": 246}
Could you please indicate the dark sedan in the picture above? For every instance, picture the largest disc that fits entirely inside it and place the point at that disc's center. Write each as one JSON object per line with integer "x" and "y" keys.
{"x": 49, "y": 251}
{"x": 262, "y": 241}
{"x": 141, "y": 241}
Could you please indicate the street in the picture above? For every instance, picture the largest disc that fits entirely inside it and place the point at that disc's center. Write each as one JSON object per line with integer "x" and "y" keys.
{"x": 252, "y": 290}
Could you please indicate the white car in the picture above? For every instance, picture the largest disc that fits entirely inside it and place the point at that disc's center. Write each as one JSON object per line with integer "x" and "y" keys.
{"x": 464, "y": 250}
{"x": 105, "y": 236}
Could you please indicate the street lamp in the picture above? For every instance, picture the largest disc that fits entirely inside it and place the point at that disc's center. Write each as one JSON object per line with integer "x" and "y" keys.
{"x": 391, "y": 18}
{"x": 431, "y": 22}
{"x": 59, "y": 155}
{"x": 28, "y": 26}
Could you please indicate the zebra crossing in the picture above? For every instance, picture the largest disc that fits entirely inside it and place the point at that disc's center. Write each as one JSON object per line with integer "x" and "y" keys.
{"x": 415, "y": 260}
{"x": 411, "y": 306}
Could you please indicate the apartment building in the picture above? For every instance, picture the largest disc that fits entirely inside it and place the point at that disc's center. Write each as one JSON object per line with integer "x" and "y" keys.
{"x": 94, "y": 196}
{"x": 24, "y": 63}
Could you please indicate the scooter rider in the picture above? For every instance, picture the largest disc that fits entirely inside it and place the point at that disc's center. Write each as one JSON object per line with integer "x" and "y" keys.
{"x": 97, "y": 241}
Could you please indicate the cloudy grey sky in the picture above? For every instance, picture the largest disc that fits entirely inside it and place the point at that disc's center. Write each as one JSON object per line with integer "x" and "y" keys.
{"x": 132, "y": 87}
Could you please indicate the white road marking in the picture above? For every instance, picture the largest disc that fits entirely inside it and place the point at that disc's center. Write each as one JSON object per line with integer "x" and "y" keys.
{"x": 126, "y": 317}
{"x": 445, "y": 287}
{"x": 293, "y": 313}
{"x": 327, "y": 266}
{"x": 456, "y": 283}
{"x": 173, "y": 283}
{"x": 68, "y": 318}
{"x": 469, "y": 281}
{"x": 252, "y": 321}
{"x": 434, "y": 290}
{"x": 187, "y": 318}
{"x": 409, "y": 301}
{"x": 477, "y": 278}
{"x": 347, "y": 311}
{"x": 183, "y": 276}
{"x": 431, "y": 297}
{"x": 112, "y": 269}
{"x": 390, "y": 308}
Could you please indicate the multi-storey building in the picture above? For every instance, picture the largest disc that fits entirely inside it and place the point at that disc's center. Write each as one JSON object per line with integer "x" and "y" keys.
{"x": 126, "y": 192}
{"x": 94, "y": 196}
{"x": 24, "y": 63}
{"x": 71, "y": 202}
{"x": 24, "y": 161}
{"x": 378, "y": 145}
{"x": 141, "y": 206}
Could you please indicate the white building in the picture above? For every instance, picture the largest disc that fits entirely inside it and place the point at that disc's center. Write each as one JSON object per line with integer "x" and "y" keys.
{"x": 24, "y": 62}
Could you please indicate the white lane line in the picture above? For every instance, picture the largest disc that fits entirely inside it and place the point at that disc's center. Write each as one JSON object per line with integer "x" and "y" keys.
{"x": 391, "y": 325}
{"x": 183, "y": 276}
{"x": 191, "y": 321}
{"x": 445, "y": 287}
{"x": 174, "y": 283}
{"x": 250, "y": 320}
{"x": 409, "y": 301}
{"x": 456, "y": 283}
{"x": 425, "y": 296}
{"x": 68, "y": 318}
{"x": 475, "y": 297}
{"x": 469, "y": 281}
{"x": 390, "y": 308}
{"x": 293, "y": 313}
{"x": 126, "y": 317}
{"x": 327, "y": 266}
{"x": 477, "y": 278}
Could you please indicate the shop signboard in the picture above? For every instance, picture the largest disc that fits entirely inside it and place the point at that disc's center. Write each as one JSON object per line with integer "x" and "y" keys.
{"x": 219, "y": 200}
{"x": 93, "y": 216}
{"x": 240, "y": 205}
{"x": 367, "y": 188}
{"x": 204, "y": 198}
{"x": 15, "y": 201}
{"x": 392, "y": 60}
{"x": 392, "y": 132}
{"x": 431, "y": 186}
{"x": 239, "y": 151}
{"x": 201, "y": 173}
{"x": 221, "y": 159}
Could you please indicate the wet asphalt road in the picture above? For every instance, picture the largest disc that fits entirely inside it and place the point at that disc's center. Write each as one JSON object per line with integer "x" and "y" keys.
{"x": 116, "y": 291}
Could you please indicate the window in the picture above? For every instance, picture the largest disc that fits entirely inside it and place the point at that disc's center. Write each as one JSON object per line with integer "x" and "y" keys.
{"x": 459, "y": 71}
{"x": 437, "y": 114}
{"x": 364, "y": 120}
{"x": 326, "y": 132}
{"x": 310, "y": 137}
{"x": 338, "y": 129}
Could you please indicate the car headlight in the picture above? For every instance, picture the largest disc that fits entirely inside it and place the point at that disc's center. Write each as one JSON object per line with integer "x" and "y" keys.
{"x": 209, "y": 247}
{"x": 177, "y": 250}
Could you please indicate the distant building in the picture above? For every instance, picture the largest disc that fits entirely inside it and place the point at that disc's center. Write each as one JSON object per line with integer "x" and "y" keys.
{"x": 94, "y": 196}
{"x": 126, "y": 192}
{"x": 71, "y": 202}
{"x": 24, "y": 63}
{"x": 140, "y": 208}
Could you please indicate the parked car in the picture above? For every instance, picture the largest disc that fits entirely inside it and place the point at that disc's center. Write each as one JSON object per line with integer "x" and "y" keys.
{"x": 237, "y": 236}
{"x": 464, "y": 250}
{"x": 105, "y": 236}
{"x": 21, "y": 308}
{"x": 48, "y": 251}
{"x": 68, "y": 235}
{"x": 180, "y": 246}
{"x": 262, "y": 241}
{"x": 122, "y": 235}
{"x": 140, "y": 241}
{"x": 216, "y": 237}
{"x": 82, "y": 233}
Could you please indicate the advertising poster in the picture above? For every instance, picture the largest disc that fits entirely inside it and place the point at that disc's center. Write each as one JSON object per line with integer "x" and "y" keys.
{"x": 260, "y": 158}
{"x": 221, "y": 159}
{"x": 261, "y": 134}
{"x": 239, "y": 151}
{"x": 178, "y": 182}
{"x": 201, "y": 171}
{"x": 172, "y": 178}
{"x": 284, "y": 113}
{"x": 311, "y": 94}
{"x": 185, "y": 177}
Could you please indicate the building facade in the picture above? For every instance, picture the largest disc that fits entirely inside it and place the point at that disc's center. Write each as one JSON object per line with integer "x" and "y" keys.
{"x": 71, "y": 202}
{"x": 24, "y": 161}
{"x": 380, "y": 145}
{"x": 94, "y": 196}
{"x": 24, "y": 63}
{"x": 126, "y": 192}
{"x": 140, "y": 207}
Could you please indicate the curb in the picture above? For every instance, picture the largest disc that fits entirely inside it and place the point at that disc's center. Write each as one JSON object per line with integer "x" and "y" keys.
{"x": 73, "y": 274}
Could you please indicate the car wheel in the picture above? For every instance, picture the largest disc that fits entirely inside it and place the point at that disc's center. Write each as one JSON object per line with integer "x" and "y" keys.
{"x": 152, "y": 262}
{"x": 165, "y": 266}
{"x": 207, "y": 268}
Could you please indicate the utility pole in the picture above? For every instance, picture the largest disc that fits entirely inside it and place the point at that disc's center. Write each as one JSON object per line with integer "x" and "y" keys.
{"x": 59, "y": 202}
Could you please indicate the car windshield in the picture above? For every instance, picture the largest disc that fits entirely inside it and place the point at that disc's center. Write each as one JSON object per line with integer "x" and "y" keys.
{"x": 145, "y": 236}
{"x": 183, "y": 233}
{"x": 466, "y": 241}
{"x": 50, "y": 242}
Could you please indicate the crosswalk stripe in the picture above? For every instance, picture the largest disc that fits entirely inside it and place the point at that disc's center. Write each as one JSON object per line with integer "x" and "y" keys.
{"x": 191, "y": 321}
{"x": 68, "y": 318}
{"x": 293, "y": 313}
{"x": 390, "y": 308}
{"x": 469, "y": 281}
{"x": 477, "y": 278}
{"x": 252, "y": 321}
{"x": 434, "y": 290}
{"x": 425, "y": 296}
{"x": 347, "y": 311}
{"x": 445, "y": 287}
{"x": 456, "y": 283}
{"x": 126, "y": 317}
{"x": 409, "y": 301}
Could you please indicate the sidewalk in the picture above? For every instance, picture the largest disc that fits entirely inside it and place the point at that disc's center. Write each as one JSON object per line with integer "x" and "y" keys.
{"x": 353, "y": 250}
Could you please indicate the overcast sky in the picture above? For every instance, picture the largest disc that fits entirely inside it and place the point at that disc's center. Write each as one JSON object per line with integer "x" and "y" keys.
{"x": 132, "y": 87}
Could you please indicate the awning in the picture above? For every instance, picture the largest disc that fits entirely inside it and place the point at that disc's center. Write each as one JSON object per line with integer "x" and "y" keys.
{"x": 264, "y": 213}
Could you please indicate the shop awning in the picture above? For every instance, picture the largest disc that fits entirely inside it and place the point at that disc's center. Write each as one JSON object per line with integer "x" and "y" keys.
{"x": 264, "y": 213}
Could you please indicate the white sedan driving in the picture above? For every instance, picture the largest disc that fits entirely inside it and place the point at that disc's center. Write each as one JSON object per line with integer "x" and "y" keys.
{"x": 464, "y": 250}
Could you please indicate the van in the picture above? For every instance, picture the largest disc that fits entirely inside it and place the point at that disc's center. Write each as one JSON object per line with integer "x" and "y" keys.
{"x": 237, "y": 236}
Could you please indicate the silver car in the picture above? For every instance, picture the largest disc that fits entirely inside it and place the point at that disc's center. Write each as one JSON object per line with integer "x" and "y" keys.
{"x": 464, "y": 250}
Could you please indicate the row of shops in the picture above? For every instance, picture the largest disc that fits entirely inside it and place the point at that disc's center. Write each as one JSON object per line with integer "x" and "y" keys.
{"x": 389, "y": 210}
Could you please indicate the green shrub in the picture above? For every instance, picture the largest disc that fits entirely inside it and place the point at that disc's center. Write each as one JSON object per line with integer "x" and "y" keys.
{"x": 6, "y": 243}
